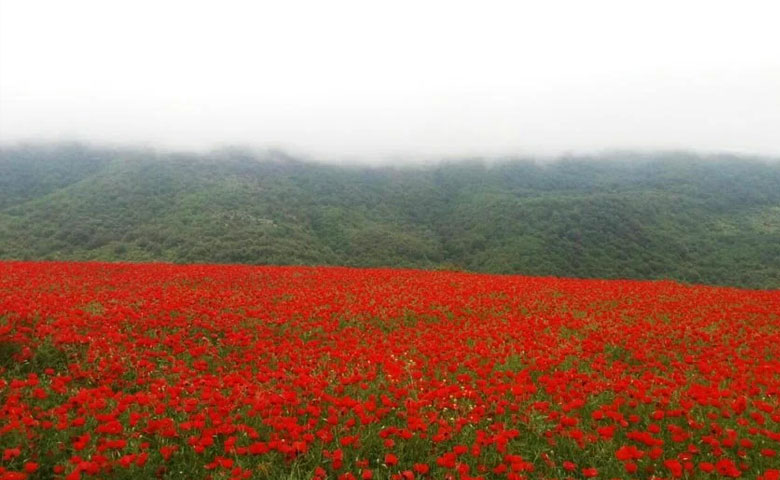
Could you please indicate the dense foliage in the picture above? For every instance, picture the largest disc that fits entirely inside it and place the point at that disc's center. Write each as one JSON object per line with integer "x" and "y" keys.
{"x": 712, "y": 219}
{"x": 131, "y": 371}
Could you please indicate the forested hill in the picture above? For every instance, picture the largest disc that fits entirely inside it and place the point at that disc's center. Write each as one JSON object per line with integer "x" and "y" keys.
{"x": 712, "y": 219}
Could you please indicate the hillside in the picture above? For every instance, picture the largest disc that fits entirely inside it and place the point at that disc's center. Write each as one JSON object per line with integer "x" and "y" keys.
{"x": 160, "y": 371}
{"x": 713, "y": 220}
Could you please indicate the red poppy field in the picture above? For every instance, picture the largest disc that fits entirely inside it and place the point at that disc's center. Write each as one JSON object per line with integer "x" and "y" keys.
{"x": 163, "y": 371}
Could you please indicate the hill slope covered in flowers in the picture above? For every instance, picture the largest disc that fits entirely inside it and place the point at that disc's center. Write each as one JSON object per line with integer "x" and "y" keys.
{"x": 163, "y": 371}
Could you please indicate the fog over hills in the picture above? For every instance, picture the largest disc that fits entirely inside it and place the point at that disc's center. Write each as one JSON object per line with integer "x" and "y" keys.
{"x": 697, "y": 218}
{"x": 368, "y": 81}
{"x": 428, "y": 134}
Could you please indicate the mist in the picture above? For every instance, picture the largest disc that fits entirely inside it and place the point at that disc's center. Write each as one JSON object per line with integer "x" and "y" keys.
{"x": 355, "y": 81}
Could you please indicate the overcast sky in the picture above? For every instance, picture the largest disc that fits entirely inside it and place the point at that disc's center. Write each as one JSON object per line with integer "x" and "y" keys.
{"x": 364, "y": 79}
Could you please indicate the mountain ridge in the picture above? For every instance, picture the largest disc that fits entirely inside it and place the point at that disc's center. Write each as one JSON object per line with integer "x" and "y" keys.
{"x": 694, "y": 218}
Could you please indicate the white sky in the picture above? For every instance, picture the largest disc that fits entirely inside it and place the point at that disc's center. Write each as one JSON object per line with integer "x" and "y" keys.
{"x": 365, "y": 79}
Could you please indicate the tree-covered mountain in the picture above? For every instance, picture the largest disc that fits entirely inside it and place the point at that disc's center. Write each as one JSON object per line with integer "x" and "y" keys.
{"x": 705, "y": 219}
